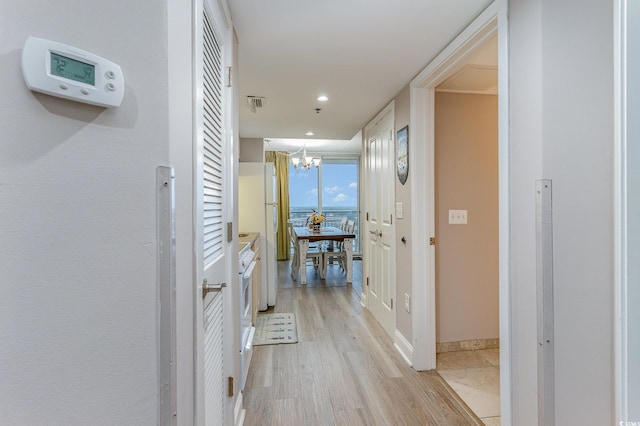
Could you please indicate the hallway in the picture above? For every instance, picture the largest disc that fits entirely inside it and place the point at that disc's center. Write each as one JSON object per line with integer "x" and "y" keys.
{"x": 344, "y": 369}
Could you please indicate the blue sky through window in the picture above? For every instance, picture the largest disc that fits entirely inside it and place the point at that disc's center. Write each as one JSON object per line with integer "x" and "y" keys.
{"x": 339, "y": 187}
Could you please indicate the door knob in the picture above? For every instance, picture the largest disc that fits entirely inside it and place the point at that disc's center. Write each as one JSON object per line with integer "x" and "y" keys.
{"x": 206, "y": 288}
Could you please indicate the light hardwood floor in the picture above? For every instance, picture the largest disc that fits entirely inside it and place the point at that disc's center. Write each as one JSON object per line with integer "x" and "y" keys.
{"x": 344, "y": 369}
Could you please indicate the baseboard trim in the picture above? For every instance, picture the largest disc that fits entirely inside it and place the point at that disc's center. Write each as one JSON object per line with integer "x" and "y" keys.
{"x": 239, "y": 411}
{"x": 467, "y": 345}
{"x": 363, "y": 299}
{"x": 403, "y": 346}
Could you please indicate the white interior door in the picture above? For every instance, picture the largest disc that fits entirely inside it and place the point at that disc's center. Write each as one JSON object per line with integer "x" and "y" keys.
{"x": 214, "y": 297}
{"x": 380, "y": 236}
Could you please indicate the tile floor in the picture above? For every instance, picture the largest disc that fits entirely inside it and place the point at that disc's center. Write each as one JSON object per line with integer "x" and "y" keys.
{"x": 475, "y": 376}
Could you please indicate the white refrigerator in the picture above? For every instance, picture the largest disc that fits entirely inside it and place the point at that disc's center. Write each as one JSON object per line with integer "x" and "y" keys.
{"x": 258, "y": 212}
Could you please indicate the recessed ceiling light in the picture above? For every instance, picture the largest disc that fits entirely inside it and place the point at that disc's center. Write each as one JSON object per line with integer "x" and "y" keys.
{"x": 309, "y": 133}
{"x": 322, "y": 98}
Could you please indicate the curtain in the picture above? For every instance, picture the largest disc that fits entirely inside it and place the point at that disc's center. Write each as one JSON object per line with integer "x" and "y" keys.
{"x": 281, "y": 160}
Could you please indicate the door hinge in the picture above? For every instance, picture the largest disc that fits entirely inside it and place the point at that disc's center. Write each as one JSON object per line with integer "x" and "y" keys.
{"x": 367, "y": 216}
{"x": 392, "y": 304}
{"x": 230, "y": 386}
{"x": 367, "y": 281}
{"x": 229, "y": 231}
{"x": 391, "y": 219}
{"x": 229, "y": 78}
{"x": 432, "y": 241}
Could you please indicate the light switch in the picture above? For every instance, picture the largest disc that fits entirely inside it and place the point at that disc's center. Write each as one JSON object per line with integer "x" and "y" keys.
{"x": 457, "y": 217}
{"x": 399, "y": 210}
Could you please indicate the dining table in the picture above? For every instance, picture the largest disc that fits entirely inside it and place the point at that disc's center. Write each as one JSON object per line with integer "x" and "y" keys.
{"x": 305, "y": 235}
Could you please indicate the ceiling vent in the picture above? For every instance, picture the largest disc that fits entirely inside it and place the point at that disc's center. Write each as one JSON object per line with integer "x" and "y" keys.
{"x": 256, "y": 102}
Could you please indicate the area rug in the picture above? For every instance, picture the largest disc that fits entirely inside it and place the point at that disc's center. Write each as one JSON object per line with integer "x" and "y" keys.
{"x": 274, "y": 329}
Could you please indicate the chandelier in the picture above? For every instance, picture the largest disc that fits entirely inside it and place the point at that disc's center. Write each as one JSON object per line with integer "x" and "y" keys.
{"x": 304, "y": 162}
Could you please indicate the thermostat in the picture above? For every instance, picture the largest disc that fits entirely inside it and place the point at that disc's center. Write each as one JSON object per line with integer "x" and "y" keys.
{"x": 68, "y": 72}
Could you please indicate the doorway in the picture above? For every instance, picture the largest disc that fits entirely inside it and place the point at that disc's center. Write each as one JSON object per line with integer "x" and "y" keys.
{"x": 491, "y": 23}
{"x": 466, "y": 221}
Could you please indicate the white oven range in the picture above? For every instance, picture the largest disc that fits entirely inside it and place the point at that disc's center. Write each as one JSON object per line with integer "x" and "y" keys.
{"x": 246, "y": 265}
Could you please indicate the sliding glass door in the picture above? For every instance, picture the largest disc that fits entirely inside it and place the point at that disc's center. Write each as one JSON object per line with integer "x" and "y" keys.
{"x": 332, "y": 190}
{"x": 339, "y": 195}
{"x": 303, "y": 194}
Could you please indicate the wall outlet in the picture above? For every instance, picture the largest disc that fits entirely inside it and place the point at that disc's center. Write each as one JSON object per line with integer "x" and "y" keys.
{"x": 407, "y": 302}
{"x": 457, "y": 217}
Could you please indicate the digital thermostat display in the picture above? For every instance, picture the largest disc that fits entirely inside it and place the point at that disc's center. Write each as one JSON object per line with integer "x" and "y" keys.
{"x": 58, "y": 69}
{"x": 72, "y": 69}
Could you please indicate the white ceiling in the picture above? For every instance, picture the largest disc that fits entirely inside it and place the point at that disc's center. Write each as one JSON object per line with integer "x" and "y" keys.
{"x": 320, "y": 146}
{"x": 359, "y": 53}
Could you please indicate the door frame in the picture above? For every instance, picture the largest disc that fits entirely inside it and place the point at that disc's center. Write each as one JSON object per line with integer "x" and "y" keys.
{"x": 626, "y": 62}
{"x": 422, "y": 122}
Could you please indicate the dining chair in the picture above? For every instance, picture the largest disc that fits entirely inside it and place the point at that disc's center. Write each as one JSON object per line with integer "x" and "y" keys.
{"x": 331, "y": 245}
{"x": 314, "y": 255}
{"x": 339, "y": 254}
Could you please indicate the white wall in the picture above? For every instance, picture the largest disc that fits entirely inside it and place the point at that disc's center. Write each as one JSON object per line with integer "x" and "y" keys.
{"x": 181, "y": 158}
{"x": 578, "y": 156}
{"x": 404, "y": 326}
{"x": 525, "y": 98}
{"x": 77, "y": 222}
{"x": 251, "y": 150}
{"x": 561, "y": 89}
{"x": 466, "y": 177}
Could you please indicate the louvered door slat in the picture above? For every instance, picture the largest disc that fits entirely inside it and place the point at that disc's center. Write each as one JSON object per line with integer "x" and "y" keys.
{"x": 213, "y": 361}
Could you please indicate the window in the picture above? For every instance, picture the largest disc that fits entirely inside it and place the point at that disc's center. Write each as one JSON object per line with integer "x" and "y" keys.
{"x": 338, "y": 179}
{"x": 303, "y": 194}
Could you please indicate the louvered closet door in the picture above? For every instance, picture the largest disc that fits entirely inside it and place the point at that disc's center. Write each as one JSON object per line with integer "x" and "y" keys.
{"x": 213, "y": 218}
